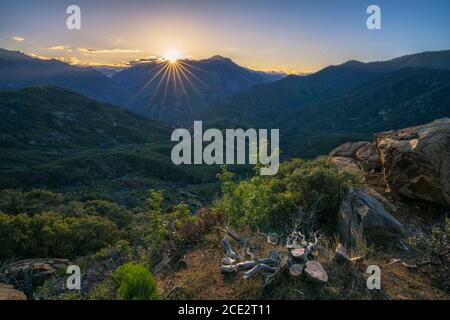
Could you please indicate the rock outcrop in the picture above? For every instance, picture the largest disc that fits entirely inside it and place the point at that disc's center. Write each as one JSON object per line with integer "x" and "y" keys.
{"x": 360, "y": 155}
{"x": 416, "y": 161}
{"x": 7, "y": 292}
{"x": 349, "y": 165}
{"x": 413, "y": 162}
{"x": 37, "y": 270}
{"x": 362, "y": 219}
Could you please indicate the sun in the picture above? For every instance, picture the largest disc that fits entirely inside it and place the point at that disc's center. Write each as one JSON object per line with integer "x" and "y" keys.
{"x": 172, "y": 56}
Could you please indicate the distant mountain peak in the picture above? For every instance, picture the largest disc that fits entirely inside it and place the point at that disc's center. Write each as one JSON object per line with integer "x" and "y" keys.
{"x": 218, "y": 57}
{"x": 353, "y": 63}
{"x": 9, "y": 54}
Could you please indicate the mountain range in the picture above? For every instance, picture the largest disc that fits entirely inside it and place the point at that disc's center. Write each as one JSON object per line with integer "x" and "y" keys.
{"x": 18, "y": 70}
{"x": 295, "y": 92}
{"x": 154, "y": 88}
{"x": 314, "y": 112}
{"x": 347, "y": 102}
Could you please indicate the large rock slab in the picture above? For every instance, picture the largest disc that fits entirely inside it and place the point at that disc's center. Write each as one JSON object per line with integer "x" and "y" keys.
{"x": 347, "y": 164}
{"x": 363, "y": 219}
{"x": 368, "y": 156}
{"x": 349, "y": 149}
{"x": 354, "y": 156}
{"x": 416, "y": 161}
{"x": 36, "y": 270}
{"x": 7, "y": 292}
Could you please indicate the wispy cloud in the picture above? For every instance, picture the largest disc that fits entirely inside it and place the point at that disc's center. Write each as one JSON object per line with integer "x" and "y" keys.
{"x": 143, "y": 60}
{"x": 18, "y": 39}
{"x": 101, "y": 51}
{"x": 38, "y": 56}
{"x": 68, "y": 60}
{"x": 59, "y": 48}
{"x": 75, "y": 61}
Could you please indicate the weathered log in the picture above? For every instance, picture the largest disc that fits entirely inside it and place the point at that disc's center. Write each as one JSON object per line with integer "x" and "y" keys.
{"x": 228, "y": 261}
{"x": 313, "y": 245}
{"x": 258, "y": 268}
{"x": 268, "y": 261}
{"x": 229, "y": 250}
{"x": 296, "y": 269}
{"x": 238, "y": 266}
{"x": 228, "y": 269}
{"x": 273, "y": 238}
{"x": 246, "y": 265}
{"x": 230, "y": 233}
{"x": 357, "y": 260}
{"x": 274, "y": 277}
{"x": 394, "y": 261}
{"x": 275, "y": 255}
{"x": 315, "y": 272}
{"x": 250, "y": 253}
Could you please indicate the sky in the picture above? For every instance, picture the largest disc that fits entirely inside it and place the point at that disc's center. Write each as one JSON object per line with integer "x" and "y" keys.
{"x": 283, "y": 35}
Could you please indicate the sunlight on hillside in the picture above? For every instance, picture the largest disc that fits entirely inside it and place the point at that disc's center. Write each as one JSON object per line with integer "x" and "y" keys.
{"x": 173, "y": 75}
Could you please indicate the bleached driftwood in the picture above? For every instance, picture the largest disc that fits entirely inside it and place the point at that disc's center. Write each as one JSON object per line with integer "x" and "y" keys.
{"x": 270, "y": 278}
{"x": 257, "y": 268}
{"x": 229, "y": 250}
{"x": 272, "y": 238}
{"x": 299, "y": 258}
{"x": 228, "y": 261}
{"x": 230, "y": 264}
{"x": 301, "y": 252}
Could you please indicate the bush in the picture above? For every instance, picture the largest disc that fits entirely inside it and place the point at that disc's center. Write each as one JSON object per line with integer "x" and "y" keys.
{"x": 433, "y": 250}
{"x": 50, "y": 234}
{"x": 136, "y": 282}
{"x": 309, "y": 191}
{"x": 31, "y": 202}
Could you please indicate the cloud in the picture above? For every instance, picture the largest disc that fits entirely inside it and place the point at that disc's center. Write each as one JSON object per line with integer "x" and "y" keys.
{"x": 18, "y": 39}
{"x": 38, "y": 56}
{"x": 59, "y": 48}
{"x": 143, "y": 60}
{"x": 68, "y": 60}
{"x": 101, "y": 51}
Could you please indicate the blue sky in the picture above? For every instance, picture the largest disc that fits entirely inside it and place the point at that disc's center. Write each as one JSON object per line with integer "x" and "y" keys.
{"x": 292, "y": 36}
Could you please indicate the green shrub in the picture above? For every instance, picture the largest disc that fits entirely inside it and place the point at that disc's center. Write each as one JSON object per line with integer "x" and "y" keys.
{"x": 105, "y": 290}
{"x": 309, "y": 191}
{"x": 136, "y": 282}
{"x": 31, "y": 202}
{"x": 50, "y": 234}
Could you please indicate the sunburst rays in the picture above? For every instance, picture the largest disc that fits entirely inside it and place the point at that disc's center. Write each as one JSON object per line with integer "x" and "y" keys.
{"x": 177, "y": 80}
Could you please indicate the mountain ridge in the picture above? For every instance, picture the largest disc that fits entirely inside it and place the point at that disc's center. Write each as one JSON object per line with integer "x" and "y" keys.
{"x": 293, "y": 91}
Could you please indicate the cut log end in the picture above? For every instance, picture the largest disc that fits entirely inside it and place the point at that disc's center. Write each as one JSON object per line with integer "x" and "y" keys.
{"x": 316, "y": 272}
{"x": 296, "y": 269}
{"x": 298, "y": 252}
